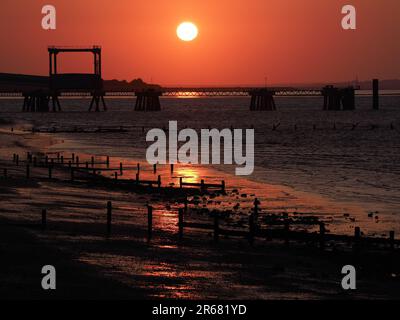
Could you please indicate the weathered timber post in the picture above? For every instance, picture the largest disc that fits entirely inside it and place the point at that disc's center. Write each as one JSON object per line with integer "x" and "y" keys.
{"x": 375, "y": 93}
{"x": 159, "y": 182}
{"x": 121, "y": 170}
{"x": 202, "y": 186}
{"x": 108, "y": 161}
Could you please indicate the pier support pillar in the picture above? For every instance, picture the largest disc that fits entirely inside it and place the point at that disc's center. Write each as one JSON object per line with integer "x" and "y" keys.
{"x": 97, "y": 99}
{"x": 148, "y": 100}
{"x": 375, "y": 89}
{"x": 336, "y": 99}
{"x": 36, "y": 101}
{"x": 262, "y": 100}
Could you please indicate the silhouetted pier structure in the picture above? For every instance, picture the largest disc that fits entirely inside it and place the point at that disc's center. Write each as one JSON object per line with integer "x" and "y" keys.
{"x": 262, "y": 100}
{"x": 78, "y": 82}
{"x": 338, "y": 98}
{"x": 148, "y": 100}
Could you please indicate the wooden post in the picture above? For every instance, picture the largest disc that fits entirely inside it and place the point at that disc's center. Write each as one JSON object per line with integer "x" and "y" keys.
{"x": 155, "y": 168}
{"x": 44, "y": 219}
{"x": 223, "y": 186}
{"x": 77, "y": 161}
{"x": 202, "y": 187}
{"x": 251, "y": 229}
{"x": 73, "y": 157}
{"x": 138, "y": 168}
{"x": 28, "y": 171}
{"x": 149, "y": 222}
{"x": 322, "y": 236}
{"x": 108, "y": 161}
{"x": 180, "y": 224}
{"x": 116, "y": 175}
{"x": 121, "y": 170}
{"x": 391, "y": 239}
{"x": 216, "y": 228}
{"x": 172, "y": 168}
{"x": 69, "y": 164}
{"x": 375, "y": 89}
{"x": 17, "y": 160}
{"x": 92, "y": 161}
{"x": 109, "y": 217}
{"x": 287, "y": 231}
{"x": 180, "y": 182}
{"x": 256, "y": 207}
{"x": 159, "y": 182}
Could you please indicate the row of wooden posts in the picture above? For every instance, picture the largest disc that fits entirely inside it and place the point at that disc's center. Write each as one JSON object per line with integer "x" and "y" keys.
{"x": 253, "y": 230}
{"x": 74, "y": 165}
{"x": 275, "y": 127}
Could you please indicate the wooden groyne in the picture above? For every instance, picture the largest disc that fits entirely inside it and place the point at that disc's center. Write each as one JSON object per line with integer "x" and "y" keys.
{"x": 220, "y": 230}
{"x": 88, "y": 171}
{"x": 76, "y": 169}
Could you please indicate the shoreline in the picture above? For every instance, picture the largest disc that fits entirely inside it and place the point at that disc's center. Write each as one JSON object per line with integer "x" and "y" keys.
{"x": 191, "y": 270}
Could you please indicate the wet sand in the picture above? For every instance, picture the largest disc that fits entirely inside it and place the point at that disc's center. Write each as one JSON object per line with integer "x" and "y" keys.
{"x": 93, "y": 265}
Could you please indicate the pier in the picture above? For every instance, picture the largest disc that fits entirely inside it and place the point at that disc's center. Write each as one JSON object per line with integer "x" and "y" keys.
{"x": 39, "y": 91}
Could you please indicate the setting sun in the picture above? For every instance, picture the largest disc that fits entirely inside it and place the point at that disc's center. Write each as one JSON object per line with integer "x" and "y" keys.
{"x": 187, "y": 31}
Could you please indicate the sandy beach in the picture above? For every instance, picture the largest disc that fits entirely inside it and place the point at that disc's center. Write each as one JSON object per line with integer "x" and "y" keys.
{"x": 127, "y": 266}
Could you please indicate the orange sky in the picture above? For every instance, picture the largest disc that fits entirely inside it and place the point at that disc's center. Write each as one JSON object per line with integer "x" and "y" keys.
{"x": 240, "y": 41}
